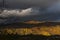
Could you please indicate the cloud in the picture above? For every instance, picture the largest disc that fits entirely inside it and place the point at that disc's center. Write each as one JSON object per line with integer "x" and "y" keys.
{"x": 23, "y": 12}
{"x": 14, "y": 4}
{"x": 37, "y": 12}
{"x": 10, "y": 16}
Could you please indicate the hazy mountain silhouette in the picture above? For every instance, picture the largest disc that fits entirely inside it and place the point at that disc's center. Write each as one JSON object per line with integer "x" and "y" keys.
{"x": 30, "y": 24}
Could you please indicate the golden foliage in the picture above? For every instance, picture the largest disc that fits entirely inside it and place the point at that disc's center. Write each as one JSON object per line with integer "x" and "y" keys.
{"x": 47, "y": 31}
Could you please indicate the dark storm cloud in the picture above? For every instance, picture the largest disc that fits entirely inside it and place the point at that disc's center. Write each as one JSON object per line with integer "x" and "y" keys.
{"x": 35, "y": 10}
{"x": 27, "y": 3}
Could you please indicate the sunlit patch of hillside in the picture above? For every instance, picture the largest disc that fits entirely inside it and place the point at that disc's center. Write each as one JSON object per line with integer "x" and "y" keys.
{"x": 47, "y": 31}
{"x": 33, "y": 22}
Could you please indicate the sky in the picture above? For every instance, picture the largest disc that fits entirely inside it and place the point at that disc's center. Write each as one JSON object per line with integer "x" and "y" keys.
{"x": 27, "y": 3}
{"x": 23, "y": 10}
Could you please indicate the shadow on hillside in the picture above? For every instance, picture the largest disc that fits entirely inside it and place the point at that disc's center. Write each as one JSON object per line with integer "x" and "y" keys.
{"x": 28, "y": 37}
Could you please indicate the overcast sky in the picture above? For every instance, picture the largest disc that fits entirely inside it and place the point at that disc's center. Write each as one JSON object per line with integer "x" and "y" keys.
{"x": 27, "y": 3}
{"x": 23, "y": 10}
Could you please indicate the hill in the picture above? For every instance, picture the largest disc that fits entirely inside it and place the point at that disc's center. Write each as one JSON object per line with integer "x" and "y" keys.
{"x": 30, "y": 24}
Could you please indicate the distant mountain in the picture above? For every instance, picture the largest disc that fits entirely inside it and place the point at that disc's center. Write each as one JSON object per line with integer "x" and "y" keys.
{"x": 29, "y": 24}
{"x": 42, "y": 22}
{"x": 33, "y": 22}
